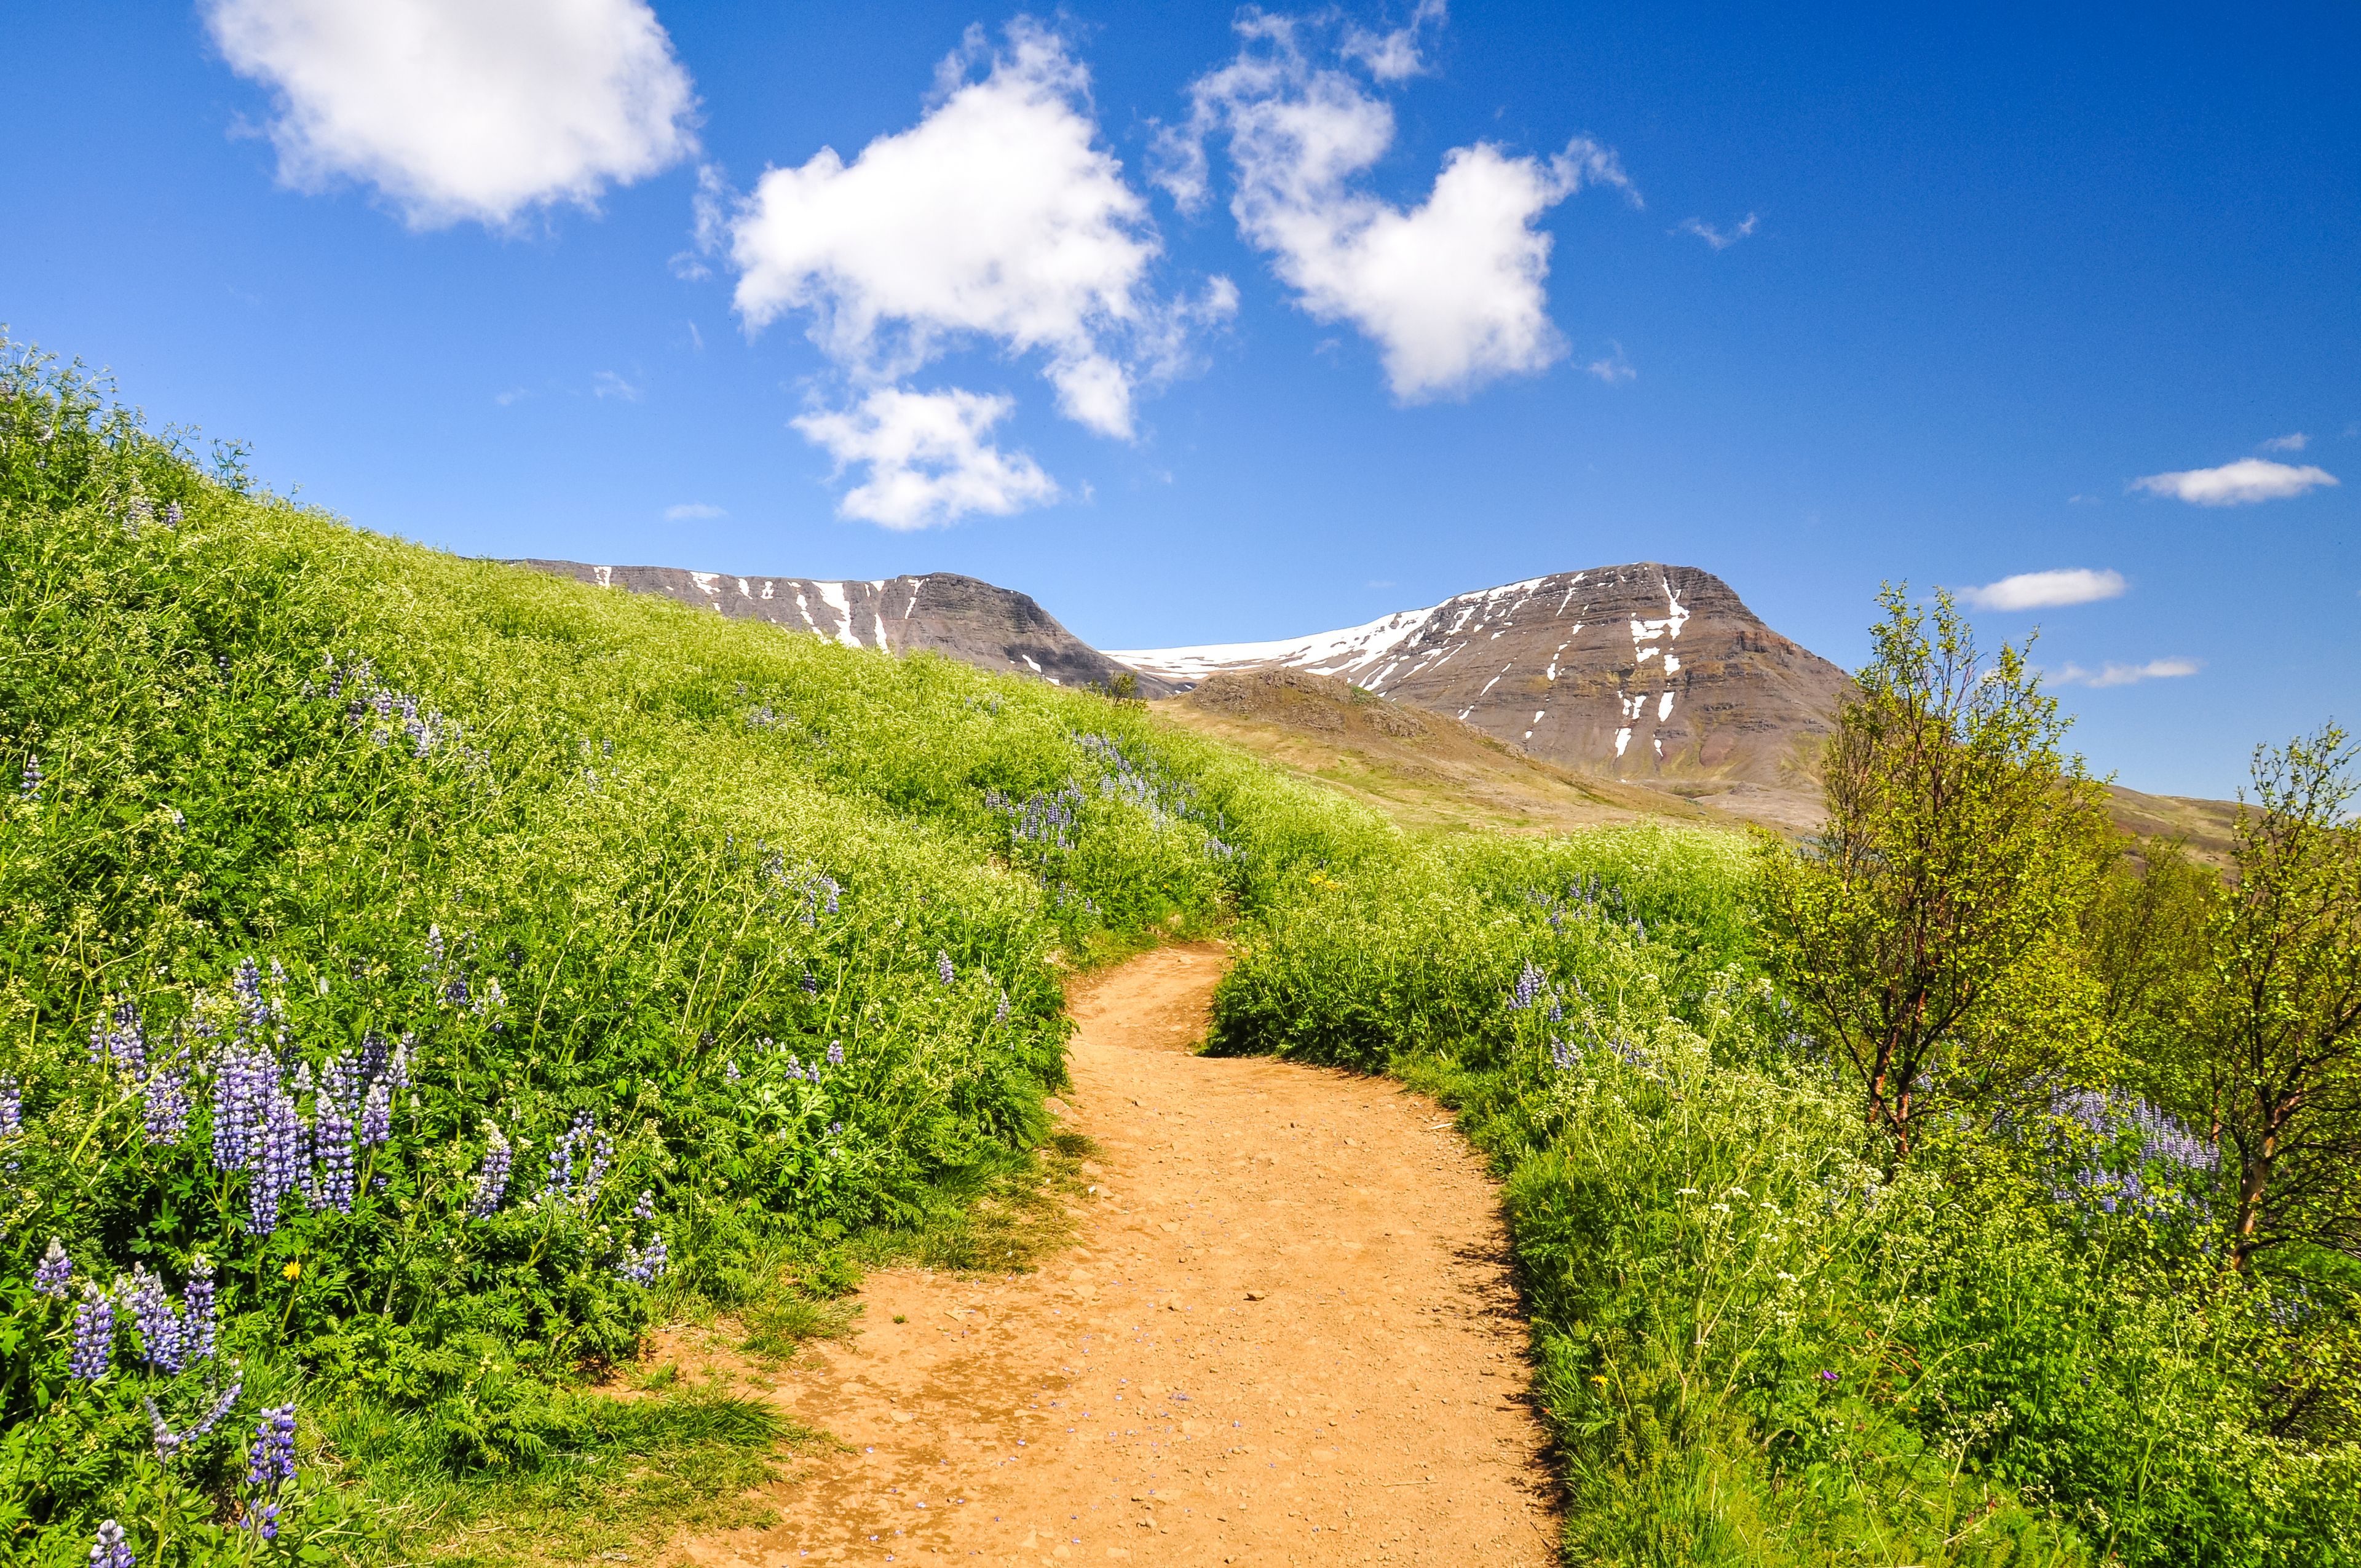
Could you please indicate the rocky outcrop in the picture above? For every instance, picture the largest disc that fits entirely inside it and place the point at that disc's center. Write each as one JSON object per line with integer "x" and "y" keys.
{"x": 1642, "y": 671}
{"x": 993, "y": 628}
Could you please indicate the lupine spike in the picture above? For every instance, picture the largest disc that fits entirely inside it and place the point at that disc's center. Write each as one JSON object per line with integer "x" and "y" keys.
{"x": 55, "y": 1270}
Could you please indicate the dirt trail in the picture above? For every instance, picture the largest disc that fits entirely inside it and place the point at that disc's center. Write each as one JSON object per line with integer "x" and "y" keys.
{"x": 1285, "y": 1335}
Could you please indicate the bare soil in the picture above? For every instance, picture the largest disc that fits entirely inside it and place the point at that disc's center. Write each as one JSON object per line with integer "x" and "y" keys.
{"x": 1285, "y": 1334}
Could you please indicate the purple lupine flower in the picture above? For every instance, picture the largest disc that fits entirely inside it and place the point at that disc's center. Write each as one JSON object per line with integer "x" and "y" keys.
{"x": 55, "y": 1269}
{"x": 377, "y": 1114}
{"x": 594, "y": 1173}
{"x": 334, "y": 1114}
{"x": 434, "y": 949}
{"x": 836, "y": 1053}
{"x": 93, "y": 1335}
{"x": 162, "y": 1334}
{"x": 641, "y": 1266}
{"x": 729, "y": 1073}
{"x": 270, "y": 1458}
{"x": 264, "y": 1521}
{"x": 397, "y": 1069}
{"x": 165, "y": 1115}
{"x": 1565, "y": 1055}
{"x": 172, "y": 514}
{"x": 12, "y": 1106}
{"x": 645, "y": 1209}
{"x": 811, "y": 983}
{"x": 30, "y": 787}
{"x": 246, "y": 984}
{"x": 1529, "y": 980}
{"x": 560, "y": 1181}
{"x": 168, "y": 1441}
{"x": 221, "y": 1407}
{"x": 200, "y": 1312}
{"x": 241, "y": 1089}
{"x": 281, "y": 1160}
{"x": 492, "y": 1176}
{"x": 1000, "y": 1013}
{"x": 943, "y": 968}
{"x": 112, "y": 1550}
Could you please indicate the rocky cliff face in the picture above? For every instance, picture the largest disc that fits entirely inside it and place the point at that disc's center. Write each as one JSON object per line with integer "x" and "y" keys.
{"x": 995, "y": 628}
{"x": 1642, "y": 671}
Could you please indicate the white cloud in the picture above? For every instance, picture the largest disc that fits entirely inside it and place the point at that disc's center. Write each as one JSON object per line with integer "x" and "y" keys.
{"x": 1614, "y": 369}
{"x": 2126, "y": 675}
{"x": 928, "y": 461}
{"x": 2296, "y": 441}
{"x": 997, "y": 216}
{"x": 513, "y": 395}
{"x": 457, "y": 110}
{"x": 2045, "y": 590}
{"x": 690, "y": 511}
{"x": 1720, "y": 239}
{"x": 607, "y": 384}
{"x": 2247, "y": 480}
{"x": 1450, "y": 291}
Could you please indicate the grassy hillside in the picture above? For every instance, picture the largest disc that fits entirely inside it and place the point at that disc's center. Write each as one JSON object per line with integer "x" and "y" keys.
{"x": 416, "y": 969}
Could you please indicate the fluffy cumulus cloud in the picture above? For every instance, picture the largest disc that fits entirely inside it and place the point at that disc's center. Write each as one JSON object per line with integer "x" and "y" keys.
{"x": 2125, "y": 675}
{"x": 2046, "y": 590}
{"x": 928, "y": 456}
{"x": 1451, "y": 290}
{"x": 456, "y": 110}
{"x": 2242, "y": 483}
{"x": 998, "y": 219}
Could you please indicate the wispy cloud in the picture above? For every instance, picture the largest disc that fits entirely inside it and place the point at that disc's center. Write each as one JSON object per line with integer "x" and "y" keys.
{"x": 1720, "y": 239}
{"x": 2242, "y": 483}
{"x": 607, "y": 384}
{"x": 2045, "y": 590}
{"x": 2294, "y": 441}
{"x": 1614, "y": 369}
{"x": 2125, "y": 675}
{"x": 688, "y": 511}
{"x": 513, "y": 395}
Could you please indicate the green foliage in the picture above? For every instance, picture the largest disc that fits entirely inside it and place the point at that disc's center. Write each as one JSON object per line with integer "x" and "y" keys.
{"x": 1755, "y": 1344}
{"x": 1928, "y": 932}
{"x": 443, "y": 959}
{"x": 2281, "y": 1034}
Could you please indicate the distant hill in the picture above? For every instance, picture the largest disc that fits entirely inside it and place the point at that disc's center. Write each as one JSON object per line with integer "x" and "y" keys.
{"x": 1645, "y": 672}
{"x": 990, "y": 626}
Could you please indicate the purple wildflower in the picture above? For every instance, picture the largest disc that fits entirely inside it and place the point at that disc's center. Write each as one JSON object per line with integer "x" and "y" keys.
{"x": 172, "y": 514}
{"x": 434, "y": 949}
{"x": 163, "y": 1335}
{"x": 729, "y": 1073}
{"x": 280, "y": 1162}
{"x": 1000, "y": 1013}
{"x": 30, "y": 788}
{"x": 242, "y": 1086}
{"x": 270, "y": 1458}
{"x": 49, "y": 1278}
{"x": 943, "y": 968}
{"x": 264, "y": 1521}
{"x": 333, "y": 1113}
{"x": 492, "y": 1176}
{"x": 1529, "y": 980}
{"x": 836, "y": 1053}
{"x": 168, "y": 1441}
{"x": 641, "y": 1266}
{"x": 811, "y": 983}
{"x": 94, "y": 1331}
{"x": 112, "y": 1550}
{"x": 165, "y": 1116}
{"x": 199, "y": 1313}
{"x": 118, "y": 1038}
{"x": 1565, "y": 1055}
{"x": 12, "y": 1106}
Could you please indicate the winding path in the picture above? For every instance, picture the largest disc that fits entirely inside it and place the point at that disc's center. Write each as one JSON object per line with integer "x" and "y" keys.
{"x": 1285, "y": 1334}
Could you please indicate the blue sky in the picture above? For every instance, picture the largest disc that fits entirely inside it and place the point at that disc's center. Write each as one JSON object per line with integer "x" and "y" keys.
{"x": 1968, "y": 282}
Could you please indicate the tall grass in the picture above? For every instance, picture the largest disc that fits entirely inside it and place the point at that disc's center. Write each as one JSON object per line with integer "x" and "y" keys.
{"x": 1758, "y": 1342}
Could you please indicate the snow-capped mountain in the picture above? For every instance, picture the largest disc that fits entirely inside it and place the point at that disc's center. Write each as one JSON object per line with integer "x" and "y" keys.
{"x": 1643, "y": 669}
{"x": 995, "y": 627}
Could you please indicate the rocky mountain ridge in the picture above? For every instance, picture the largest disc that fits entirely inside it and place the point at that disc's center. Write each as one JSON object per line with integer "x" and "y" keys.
{"x": 965, "y": 617}
{"x": 1644, "y": 671}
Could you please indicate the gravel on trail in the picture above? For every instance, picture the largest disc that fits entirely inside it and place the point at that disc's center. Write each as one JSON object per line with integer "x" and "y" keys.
{"x": 1285, "y": 1333}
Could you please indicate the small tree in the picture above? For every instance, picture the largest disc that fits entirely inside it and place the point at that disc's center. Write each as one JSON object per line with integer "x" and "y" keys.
{"x": 1928, "y": 933}
{"x": 2282, "y": 1038}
